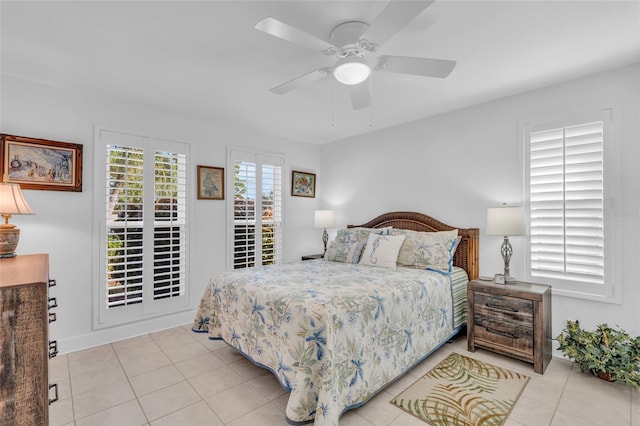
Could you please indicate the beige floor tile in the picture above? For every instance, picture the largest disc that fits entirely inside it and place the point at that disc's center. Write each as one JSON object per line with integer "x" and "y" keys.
{"x": 199, "y": 365}
{"x": 127, "y": 414}
{"x": 61, "y": 412}
{"x": 215, "y": 381}
{"x": 136, "y": 365}
{"x": 173, "y": 338}
{"x": 351, "y": 418}
{"x": 269, "y": 386}
{"x": 136, "y": 346}
{"x": 378, "y": 411}
{"x": 198, "y": 414}
{"x": 401, "y": 384}
{"x": 228, "y": 355}
{"x": 95, "y": 354}
{"x": 167, "y": 400}
{"x": 214, "y": 345}
{"x": 58, "y": 368}
{"x": 522, "y": 412}
{"x": 156, "y": 379}
{"x": 406, "y": 419}
{"x": 64, "y": 388}
{"x": 236, "y": 401}
{"x": 247, "y": 369}
{"x": 87, "y": 376}
{"x": 185, "y": 351}
{"x": 101, "y": 398}
{"x": 267, "y": 415}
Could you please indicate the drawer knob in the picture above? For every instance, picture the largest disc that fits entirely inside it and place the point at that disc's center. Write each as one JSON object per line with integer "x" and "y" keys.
{"x": 53, "y": 303}
{"x": 502, "y": 333}
{"x": 504, "y": 308}
{"x": 53, "y": 348}
{"x": 55, "y": 398}
{"x": 52, "y": 283}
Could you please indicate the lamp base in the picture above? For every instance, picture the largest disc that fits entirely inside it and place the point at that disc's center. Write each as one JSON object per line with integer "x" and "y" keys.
{"x": 9, "y": 238}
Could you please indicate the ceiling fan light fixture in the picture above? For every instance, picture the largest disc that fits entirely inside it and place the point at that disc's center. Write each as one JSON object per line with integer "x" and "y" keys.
{"x": 351, "y": 70}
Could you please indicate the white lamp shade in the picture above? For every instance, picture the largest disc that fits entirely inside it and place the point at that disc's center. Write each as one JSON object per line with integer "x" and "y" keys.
{"x": 324, "y": 219}
{"x": 351, "y": 71}
{"x": 505, "y": 221}
{"x": 11, "y": 200}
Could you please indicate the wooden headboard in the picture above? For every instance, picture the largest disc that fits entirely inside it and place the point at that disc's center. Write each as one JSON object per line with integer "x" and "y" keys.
{"x": 466, "y": 256}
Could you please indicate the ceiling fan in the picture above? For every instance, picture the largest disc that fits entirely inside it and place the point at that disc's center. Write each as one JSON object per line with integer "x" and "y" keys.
{"x": 351, "y": 42}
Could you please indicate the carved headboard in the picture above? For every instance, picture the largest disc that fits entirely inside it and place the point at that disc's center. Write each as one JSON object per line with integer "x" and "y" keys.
{"x": 466, "y": 255}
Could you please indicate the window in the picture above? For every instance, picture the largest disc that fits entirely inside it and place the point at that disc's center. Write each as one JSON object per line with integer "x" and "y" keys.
{"x": 256, "y": 210}
{"x": 570, "y": 236}
{"x": 143, "y": 231}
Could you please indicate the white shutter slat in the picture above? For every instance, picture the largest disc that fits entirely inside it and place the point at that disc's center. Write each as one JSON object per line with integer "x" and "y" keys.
{"x": 566, "y": 202}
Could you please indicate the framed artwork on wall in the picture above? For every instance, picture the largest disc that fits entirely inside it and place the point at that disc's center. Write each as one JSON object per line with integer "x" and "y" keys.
{"x": 41, "y": 164}
{"x": 303, "y": 184}
{"x": 210, "y": 183}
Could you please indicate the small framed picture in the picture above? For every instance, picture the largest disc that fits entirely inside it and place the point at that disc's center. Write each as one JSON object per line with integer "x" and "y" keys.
{"x": 41, "y": 164}
{"x": 303, "y": 184}
{"x": 210, "y": 183}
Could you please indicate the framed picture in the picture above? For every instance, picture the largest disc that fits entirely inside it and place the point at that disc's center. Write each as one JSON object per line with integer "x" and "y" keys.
{"x": 210, "y": 183}
{"x": 41, "y": 164}
{"x": 303, "y": 184}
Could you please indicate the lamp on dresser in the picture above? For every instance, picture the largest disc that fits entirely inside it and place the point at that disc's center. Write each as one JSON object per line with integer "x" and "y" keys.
{"x": 506, "y": 221}
{"x": 324, "y": 219}
{"x": 12, "y": 202}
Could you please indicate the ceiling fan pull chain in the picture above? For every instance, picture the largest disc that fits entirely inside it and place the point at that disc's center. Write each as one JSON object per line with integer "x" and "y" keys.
{"x": 333, "y": 118}
{"x": 372, "y": 104}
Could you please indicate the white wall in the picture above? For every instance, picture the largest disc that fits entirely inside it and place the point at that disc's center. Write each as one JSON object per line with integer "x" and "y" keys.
{"x": 63, "y": 225}
{"x": 455, "y": 165}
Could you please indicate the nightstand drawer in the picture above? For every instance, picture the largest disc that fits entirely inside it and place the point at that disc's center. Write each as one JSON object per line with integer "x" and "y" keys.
{"x": 516, "y": 337}
{"x": 504, "y": 309}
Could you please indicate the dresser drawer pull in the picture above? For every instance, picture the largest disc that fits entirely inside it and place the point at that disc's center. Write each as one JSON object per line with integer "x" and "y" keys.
{"x": 52, "y": 283}
{"x": 52, "y": 317}
{"x": 53, "y": 348}
{"x": 53, "y": 303}
{"x": 54, "y": 399}
{"x": 502, "y": 333}
{"x": 504, "y": 308}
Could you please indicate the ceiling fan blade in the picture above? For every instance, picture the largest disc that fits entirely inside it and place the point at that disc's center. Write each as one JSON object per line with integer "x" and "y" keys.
{"x": 439, "y": 68}
{"x": 393, "y": 17}
{"x": 286, "y": 32}
{"x": 361, "y": 94}
{"x": 300, "y": 81}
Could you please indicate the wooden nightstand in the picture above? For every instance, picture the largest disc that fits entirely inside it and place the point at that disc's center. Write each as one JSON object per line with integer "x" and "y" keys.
{"x": 511, "y": 319}
{"x": 312, "y": 256}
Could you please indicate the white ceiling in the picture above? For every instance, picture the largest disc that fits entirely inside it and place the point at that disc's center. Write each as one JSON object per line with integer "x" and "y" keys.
{"x": 204, "y": 58}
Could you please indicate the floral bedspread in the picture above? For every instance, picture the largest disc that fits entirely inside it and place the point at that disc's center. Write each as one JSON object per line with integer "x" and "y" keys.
{"x": 332, "y": 333}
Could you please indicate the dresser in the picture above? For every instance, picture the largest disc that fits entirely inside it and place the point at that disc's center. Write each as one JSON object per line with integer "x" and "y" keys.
{"x": 25, "y": 349}
{"x": 511, "y": 319}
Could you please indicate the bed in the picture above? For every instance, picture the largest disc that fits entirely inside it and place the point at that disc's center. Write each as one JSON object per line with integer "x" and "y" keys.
{"x": 336, "y": 333}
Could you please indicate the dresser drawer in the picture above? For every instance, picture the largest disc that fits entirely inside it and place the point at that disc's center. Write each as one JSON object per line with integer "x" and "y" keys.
{"x": 517, "y": 338}
{"x": 503, "y": 309}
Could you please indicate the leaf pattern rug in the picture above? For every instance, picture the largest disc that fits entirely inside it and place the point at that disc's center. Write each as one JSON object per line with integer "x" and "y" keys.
{"x": 462, "y": 391}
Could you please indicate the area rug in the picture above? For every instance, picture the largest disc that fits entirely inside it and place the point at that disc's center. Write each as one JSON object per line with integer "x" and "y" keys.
{"x": 462, "y": 391}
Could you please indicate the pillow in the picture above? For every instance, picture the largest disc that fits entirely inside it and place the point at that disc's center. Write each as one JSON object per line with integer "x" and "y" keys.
{"x": 354, "y": 235}
{"x": 344, "y": 252}
{"x": 382, "y": 250}
{"x": 428, "y": 250}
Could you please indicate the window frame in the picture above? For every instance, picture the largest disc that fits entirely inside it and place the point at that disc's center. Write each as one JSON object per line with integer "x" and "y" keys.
{"x": 610, "y": 290}
{"x": 240, "y": 154}
{"x": 150, "y": 306}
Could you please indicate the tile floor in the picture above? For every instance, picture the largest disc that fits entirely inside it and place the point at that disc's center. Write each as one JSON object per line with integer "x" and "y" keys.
{"x": 179, "y": 378}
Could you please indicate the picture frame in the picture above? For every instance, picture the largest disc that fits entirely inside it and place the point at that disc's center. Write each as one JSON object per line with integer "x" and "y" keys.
{"x": 210, "y": 183}
{"x": 41, "y": 164}
{"x": 303, "y": 184}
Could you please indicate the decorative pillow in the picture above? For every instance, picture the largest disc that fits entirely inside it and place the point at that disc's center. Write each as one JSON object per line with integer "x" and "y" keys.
{"x": 428, "y": 250}
{"x": 382, "y": 250}
{"x": 344, "y": 252}
{"x": 354, "y": 235}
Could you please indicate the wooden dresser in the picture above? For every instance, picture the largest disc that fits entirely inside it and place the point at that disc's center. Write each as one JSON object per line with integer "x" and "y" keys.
{"x": 511, "y": 319}
{"x": 24, "y": 343}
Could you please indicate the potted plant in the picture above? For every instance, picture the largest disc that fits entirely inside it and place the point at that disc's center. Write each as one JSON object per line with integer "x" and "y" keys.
{"x": 609, "y": 353}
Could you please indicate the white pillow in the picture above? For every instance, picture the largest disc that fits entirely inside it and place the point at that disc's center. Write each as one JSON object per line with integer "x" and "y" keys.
{"x": 382, "y": 250}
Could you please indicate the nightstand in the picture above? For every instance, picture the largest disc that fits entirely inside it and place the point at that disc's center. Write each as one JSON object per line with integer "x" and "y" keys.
{"x": 312, "y": 256}
{"x": 511, "y": 319}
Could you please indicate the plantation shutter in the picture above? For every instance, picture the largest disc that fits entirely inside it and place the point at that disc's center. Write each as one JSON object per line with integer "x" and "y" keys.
{"x": 256, "y": 219}
{"x": 144, "y": 239}
{"x": 566, "y": 192}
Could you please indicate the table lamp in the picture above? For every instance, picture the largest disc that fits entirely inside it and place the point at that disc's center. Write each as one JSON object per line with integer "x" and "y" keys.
{"x": 11, "y": 202}
{"x": 506, "y": 221}
{"x": 324, "y": 219}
